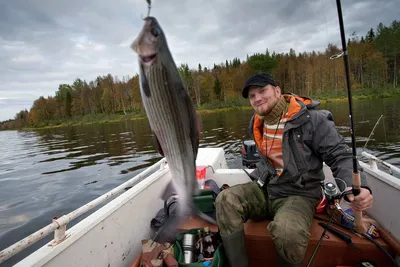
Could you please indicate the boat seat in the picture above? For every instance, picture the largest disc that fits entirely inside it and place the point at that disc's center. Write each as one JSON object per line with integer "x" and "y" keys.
{"x": 332, "y": 251}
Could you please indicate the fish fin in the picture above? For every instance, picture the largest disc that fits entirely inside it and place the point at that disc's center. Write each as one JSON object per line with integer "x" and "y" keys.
{"x": 168, "y": 232}
{"x": 157, "y": 144}
{"x": 144, "y": 82}
{"x": 194, "y": 122}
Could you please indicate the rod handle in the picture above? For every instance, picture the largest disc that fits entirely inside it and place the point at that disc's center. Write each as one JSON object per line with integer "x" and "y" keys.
{"x": 360, "y": 227}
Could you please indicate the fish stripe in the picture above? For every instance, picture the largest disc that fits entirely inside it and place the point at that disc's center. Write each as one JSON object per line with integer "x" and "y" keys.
{"x": 162, "y": 98}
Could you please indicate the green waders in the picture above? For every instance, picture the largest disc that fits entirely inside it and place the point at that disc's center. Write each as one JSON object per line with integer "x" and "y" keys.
{"x": 290, "y": 227}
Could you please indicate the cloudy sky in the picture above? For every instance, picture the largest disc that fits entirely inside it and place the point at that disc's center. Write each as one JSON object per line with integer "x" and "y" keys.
{"x": 44, "y": 43}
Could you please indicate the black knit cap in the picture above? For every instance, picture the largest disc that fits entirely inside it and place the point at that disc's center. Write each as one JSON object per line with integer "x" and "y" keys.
{"x": 259, "y": 79}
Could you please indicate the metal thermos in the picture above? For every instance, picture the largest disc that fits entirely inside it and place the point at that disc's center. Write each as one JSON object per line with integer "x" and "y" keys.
{"x": 188, "y": 246}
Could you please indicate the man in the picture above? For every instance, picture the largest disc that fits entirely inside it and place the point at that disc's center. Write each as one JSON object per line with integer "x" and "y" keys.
{"x": 293, "y": 140}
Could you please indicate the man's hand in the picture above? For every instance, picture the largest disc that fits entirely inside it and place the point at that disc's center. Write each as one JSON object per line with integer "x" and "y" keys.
{"x": 362, "y": 201}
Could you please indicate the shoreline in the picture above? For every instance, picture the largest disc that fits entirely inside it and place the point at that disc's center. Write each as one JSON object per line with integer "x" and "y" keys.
{"x": 133, "y": 117}
{"x": 103, "y": 118}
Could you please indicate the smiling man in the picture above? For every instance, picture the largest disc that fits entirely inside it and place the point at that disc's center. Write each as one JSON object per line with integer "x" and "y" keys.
{"x": 294, "y": 139}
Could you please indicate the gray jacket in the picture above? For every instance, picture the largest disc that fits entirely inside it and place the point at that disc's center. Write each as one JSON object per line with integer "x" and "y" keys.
{"x": 309, "y": 139}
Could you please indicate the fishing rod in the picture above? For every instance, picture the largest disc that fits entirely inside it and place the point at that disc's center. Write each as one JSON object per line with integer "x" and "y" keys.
{"x": 372, "y": 132}
{"x": 356, "y": 187}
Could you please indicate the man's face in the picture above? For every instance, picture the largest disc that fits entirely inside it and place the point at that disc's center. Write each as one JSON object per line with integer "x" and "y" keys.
{"x": 263, "y": 99}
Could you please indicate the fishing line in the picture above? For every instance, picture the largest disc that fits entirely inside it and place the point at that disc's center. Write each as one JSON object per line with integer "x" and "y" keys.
{"x": 149, "y": 7}
{"x": 324, "y": 13}
{"x": 320, "y": 239}
{"x": 372, "y": 132}
{"x": 345, "y": 185}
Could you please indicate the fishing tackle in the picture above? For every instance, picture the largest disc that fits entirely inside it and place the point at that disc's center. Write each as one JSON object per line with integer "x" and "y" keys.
{"x": 372, "y": 132}
{"x": 332, "y": 194}
{"x": 356, "y": 187}
{"x": 329, "y": 190}
{"x": 149, "y": 6}
{"x": 345, "y": 237}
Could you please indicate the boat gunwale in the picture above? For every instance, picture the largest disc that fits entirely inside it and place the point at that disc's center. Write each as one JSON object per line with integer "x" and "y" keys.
{"x": 44, "y": 254}
{"x": 372, "y": 169}
{"x": 59, "y": 223}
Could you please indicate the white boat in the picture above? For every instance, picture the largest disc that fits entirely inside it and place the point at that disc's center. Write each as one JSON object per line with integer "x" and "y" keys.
{"x": 111, "y": 236}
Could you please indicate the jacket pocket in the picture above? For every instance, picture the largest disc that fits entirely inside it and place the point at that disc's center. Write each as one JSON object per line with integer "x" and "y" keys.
{"x": 299, "y": 150}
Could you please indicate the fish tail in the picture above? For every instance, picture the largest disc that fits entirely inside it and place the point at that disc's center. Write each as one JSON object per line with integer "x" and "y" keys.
{"x": 170, "y": 229}
{"x": 168, "y": 232}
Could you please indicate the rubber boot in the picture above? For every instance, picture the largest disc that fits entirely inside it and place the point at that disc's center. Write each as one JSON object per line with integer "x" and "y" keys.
{"x": 235, "y": 249}
{"x": 281, "y": 262}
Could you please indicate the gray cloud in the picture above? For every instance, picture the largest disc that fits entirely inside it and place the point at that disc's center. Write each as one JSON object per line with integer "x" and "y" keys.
{"x": 45, "y": 43}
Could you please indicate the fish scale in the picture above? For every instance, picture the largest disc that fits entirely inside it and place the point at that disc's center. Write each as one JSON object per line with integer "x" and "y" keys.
{"x": 169, "y": 120}
{"x": 172, "y": 119}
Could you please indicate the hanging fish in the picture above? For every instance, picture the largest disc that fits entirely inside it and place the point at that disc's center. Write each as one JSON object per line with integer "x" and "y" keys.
{"x": 171, "y": 113}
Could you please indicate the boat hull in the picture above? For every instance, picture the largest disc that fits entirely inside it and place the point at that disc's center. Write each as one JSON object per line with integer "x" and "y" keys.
{"x": 111, "y": 236}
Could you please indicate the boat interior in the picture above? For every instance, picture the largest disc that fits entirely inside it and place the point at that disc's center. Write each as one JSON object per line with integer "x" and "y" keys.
{"x": 332, "y": 251}
{"x": 112, "y": 235}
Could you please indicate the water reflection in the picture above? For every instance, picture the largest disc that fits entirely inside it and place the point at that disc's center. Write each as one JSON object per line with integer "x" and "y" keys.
{"x": 52, "y": 172}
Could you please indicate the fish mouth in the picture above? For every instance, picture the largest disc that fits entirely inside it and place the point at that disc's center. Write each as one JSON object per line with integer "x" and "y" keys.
{"x": 148, "y": 59}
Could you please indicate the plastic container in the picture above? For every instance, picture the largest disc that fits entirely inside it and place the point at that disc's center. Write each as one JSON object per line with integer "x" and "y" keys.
{"x": 201, "y": 175}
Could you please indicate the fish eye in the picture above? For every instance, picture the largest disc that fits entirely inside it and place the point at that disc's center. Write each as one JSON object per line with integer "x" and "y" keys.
{"x": 155, "y": 32}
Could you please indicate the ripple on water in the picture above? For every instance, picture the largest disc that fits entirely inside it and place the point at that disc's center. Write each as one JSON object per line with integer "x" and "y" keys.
{"x": 52, "y": 172}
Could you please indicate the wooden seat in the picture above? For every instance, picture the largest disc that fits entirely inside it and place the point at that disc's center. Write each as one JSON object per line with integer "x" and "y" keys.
{"x": 332, "y": 251}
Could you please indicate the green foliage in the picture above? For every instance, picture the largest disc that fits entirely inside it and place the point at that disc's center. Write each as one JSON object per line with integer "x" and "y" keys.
{"x": 374, "y": 70}
{"x": 364, "y": 93}
{"x": 263, "y": 62}
{"x": 231, "y": 103}
{"x": 387, "y": 41}
{"x": 218, "y": 88}
{"x": 68, "y": 103}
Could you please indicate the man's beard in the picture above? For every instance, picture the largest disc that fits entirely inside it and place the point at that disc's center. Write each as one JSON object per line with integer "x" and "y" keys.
{"x": 263, "y": 113}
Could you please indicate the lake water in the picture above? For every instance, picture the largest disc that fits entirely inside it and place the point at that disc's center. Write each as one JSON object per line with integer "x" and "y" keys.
{"x": 51, "y": 172}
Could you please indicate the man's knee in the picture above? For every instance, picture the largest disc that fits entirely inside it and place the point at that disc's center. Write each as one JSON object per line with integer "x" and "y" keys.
{"x": 229, "y": 211}
{"x": 290, "y": 238}
{"x": 223, "y": 197}
{"x": 232, "y": 197}
{"x": 227, "y": 203}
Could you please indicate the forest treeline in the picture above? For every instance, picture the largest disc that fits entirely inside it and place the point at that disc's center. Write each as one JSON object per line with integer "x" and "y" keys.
{"x": 374, "y": 59}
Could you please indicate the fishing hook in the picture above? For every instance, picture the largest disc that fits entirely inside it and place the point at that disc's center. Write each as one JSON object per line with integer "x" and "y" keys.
{"x": 149, "y": 8}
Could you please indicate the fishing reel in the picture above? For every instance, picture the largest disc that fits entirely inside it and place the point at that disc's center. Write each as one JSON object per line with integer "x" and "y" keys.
{"x": 333, "y": 196}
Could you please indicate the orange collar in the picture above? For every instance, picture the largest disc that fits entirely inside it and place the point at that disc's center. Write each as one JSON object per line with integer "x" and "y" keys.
{"x": 294, "y": 108}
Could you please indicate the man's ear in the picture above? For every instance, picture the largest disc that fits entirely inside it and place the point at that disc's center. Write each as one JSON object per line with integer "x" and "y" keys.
{"x": 278, "y": 90}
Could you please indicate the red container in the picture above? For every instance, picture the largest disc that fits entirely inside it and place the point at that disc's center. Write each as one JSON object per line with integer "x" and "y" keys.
{"x": 201, "y": 175}
{"x": 201, "y": 172}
